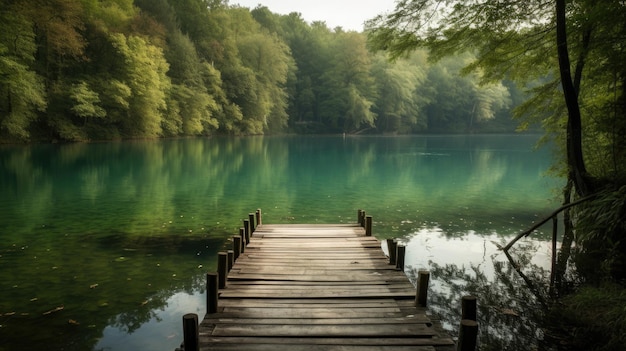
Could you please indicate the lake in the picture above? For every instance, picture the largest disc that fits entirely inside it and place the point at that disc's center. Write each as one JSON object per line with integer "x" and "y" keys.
{"x": 104, "y": 246}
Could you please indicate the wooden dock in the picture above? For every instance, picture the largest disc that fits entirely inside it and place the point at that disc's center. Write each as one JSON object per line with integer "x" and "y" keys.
{"x": 312, "y": 287}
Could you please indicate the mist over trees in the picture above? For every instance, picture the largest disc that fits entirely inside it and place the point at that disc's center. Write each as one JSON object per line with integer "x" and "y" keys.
{"x": 114, "y": 69}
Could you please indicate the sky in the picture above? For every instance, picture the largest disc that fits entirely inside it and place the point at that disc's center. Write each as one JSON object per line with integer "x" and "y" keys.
{"x": 349, "y": 14}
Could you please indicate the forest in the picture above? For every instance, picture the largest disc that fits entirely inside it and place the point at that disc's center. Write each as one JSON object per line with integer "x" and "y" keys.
{"x": 118, "y": 69}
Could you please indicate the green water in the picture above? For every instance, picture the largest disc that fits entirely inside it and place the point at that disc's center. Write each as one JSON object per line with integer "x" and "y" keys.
{"x": 104, "y": 246}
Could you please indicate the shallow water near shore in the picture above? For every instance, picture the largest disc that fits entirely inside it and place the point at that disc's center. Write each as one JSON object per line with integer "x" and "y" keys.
{"x": 105, "y": 246}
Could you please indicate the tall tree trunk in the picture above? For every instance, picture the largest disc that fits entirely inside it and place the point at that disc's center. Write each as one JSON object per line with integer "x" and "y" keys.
{"x": 577, "y": 171}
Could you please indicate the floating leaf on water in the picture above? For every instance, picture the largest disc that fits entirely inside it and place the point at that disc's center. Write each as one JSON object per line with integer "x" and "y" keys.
{"x": 509, "y": 312}
{"x": 199, "y": 266}
{"x": 73, "y": 322}
{"x": 145, "y": 303}
{"x": 9, "y": 314}
{"x": 104, "y": 304}
{"x": 34, "y": 299}
{"x": 92, "y": 286}
{"x": 60, "y": 308}
{"x": 120, "y": 259}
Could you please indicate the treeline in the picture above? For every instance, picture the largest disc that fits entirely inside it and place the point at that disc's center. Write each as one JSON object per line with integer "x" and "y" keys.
{"x": 75, "y": 70}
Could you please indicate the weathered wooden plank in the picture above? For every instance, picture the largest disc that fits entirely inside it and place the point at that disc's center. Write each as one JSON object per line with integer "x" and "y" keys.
{"x": 309, "y": 347}
{"x": 362, "y": 342}
{"x": 334, "y": 330}
{"x": 334, "y": 277}
{"x": 319, "y": 294}
{"x": 319, "y": 313}
{"x": 309, "y": 303}
{"x": 320, "y": 321}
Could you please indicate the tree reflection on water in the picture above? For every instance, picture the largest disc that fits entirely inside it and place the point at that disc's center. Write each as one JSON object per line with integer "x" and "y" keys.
{"x": 510, "y": 313}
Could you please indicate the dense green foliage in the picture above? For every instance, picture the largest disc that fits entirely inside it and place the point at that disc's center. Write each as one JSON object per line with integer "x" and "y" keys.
{"x": 151, "y": 68}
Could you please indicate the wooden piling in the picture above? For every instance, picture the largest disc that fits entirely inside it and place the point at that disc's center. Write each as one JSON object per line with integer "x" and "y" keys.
{"x": 468, "y": 307}
{"x": 258, "y": 217}
{"x": 252, "y": 221}
{"x": 468, "y": 334}
{"x": 230, "y": 260}
{"x": 368, "y": 226}
{"x": 392, "y": 246}
{"x": 222, "y": 268}
{"x": 421, "y": 296}
{"x": 400, "y": 252}
{"x": 242, "y": 236}
{"x": 191, "y": 332}
{"x": 362, "y": 219}
{"x": 211, "y": 292}
{"x": 236, "y": 247}
{"x": 246, "y": 230}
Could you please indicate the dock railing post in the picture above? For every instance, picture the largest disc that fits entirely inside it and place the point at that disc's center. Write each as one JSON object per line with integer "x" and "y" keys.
{"x": 222, "y": 268}
{"x": 246, "y": 229}
{"x": 421, "y": 297}
{"x": 468, "y": 330}
{"x": 242, "y": 235}
{"x": 259, "y": 221}
{"x": 468, "y": 307}
{"x": 362, "y": 218}
{"x": 468, "y": 334}
{"x": 211, "y": 292}
{"x": 392, "y": 247}
{"x": 252, "y": 222}
{"x": 190, "y": 332}
{"x": 400, "y": 252}
{"x": 230, "y": 259}
{"x": 368, "y": 226}
{"x": 236, "y": 246}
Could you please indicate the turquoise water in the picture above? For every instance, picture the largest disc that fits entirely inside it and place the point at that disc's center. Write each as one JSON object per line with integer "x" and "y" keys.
{"x": 104, "y": 246}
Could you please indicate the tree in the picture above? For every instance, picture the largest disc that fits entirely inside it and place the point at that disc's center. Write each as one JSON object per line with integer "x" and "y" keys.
{"x": 22, "y": 91}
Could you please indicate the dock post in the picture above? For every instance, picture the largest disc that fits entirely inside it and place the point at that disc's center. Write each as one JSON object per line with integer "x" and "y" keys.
{"x": 400, "y": 251}
{"x": 392, "y": 247}
{"x": 190, "y": 332}
{"x": 468, "y": 307}
{"x": 258, "y": 217}
{"x": 230, "y": 259}
{"x": 359, "y": 215}
{"x": 242, "y": 236}
{"x": 368, "y": 226}
{"x": 236, "y": 246}
{"x": 246, "y": 229}
{"x": 468, "y": 334}
{"x": 222, "y": 268}
{"x": 421, "y": 296}
{"x": 362, "y": 218}
{"x": 211, "y": 292}
{"x": 252, "y": 221}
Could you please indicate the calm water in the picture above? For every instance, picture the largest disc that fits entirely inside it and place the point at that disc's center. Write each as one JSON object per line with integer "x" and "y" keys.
{"x": 104, "y": 246}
